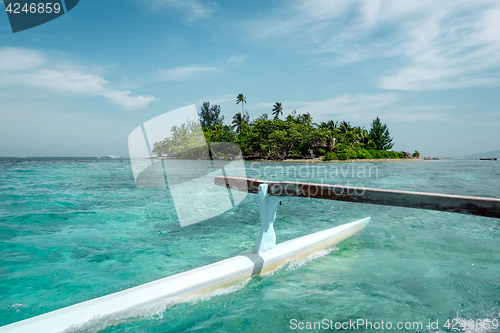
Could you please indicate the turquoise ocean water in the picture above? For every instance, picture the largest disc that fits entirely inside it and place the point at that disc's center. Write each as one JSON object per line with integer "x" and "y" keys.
{"x": 72, "y": 229}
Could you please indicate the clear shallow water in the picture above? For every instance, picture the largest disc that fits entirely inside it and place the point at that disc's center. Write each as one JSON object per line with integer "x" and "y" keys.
{"x": 75, "y": 229}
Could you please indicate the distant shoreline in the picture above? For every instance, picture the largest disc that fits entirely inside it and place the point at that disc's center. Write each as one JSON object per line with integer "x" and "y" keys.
{"x": 317, "y": 160}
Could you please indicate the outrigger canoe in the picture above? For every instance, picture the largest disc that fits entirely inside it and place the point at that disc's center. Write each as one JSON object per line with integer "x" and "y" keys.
{"x": 265, "y": 257}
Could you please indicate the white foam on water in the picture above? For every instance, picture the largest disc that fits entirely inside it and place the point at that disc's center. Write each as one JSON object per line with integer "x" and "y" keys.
{"x": 293, "y": 265}
{"x": 272, "y": 272}
{"x": 17, "y": 306}
{"x": 155, "y": 311}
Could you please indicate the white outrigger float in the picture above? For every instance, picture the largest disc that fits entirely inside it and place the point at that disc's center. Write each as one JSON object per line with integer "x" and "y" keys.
{"x": 266, "y": 256}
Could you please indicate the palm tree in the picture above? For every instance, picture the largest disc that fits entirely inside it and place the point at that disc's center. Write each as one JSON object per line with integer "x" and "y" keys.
{"x": 277, "y": 109}
{"x": 364, "y": 138}
{"x": 332, "y": 125}
{"x": 241, "y": 99}
{"x": 344, "y": 127}
{"x": 292, "y": 117}
{"x": 239, "y": 120}
{"x": 306, "y": 118}
{"x": 263, "y": 116}
{"x": 331, "y": 140}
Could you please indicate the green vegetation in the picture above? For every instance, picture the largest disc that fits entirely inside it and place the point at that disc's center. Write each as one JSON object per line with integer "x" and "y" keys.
{"x": 241, "y": 99}
{"x": 379, "y": 134}
{"x": 186, "y": 141}
{"x": 296, "y": 136}
{"x": 210, "y": 115}
{"x": 277, "y": 110}
{"x": 240, "y": 120}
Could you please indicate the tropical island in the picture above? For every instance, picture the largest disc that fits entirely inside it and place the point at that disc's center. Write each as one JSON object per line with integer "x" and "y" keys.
{"x": 295, "y": 137}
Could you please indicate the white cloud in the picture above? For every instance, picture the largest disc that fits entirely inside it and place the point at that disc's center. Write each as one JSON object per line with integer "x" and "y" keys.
{"x": 360, "y": 108}
{"x": 228, "y": 98}
{"x": 185, "y": 73}
{"x": 349, "y": 107}
{"x": 197, "y": 72}
{"x": 487, "y": 119}
{"x": 26, "y": 71}
{"x": 454, "y": 47}
{"x": 236, "y": 60}
{"x": 193, "y": 9}
{"x": 432, "y": 44}
{"x": 127, "y": 102}
{"x": 13, "y": 59}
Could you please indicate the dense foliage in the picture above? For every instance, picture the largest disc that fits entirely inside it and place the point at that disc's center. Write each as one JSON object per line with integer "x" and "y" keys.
{"x": 186, "y": 141}
{"x": 210, "y": 115}
{"x": 379, "y": 134}
{"x": 264, "y": 137}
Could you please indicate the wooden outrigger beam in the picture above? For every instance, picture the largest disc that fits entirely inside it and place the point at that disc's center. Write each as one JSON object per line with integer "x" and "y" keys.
{"x": 489, "y": 207}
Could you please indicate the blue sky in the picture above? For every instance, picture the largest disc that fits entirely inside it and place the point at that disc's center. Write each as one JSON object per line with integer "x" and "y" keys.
{"x": 78, "y": 85}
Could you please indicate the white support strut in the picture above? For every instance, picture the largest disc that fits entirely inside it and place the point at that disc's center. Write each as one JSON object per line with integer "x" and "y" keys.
{"x": 267, "y": 211}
